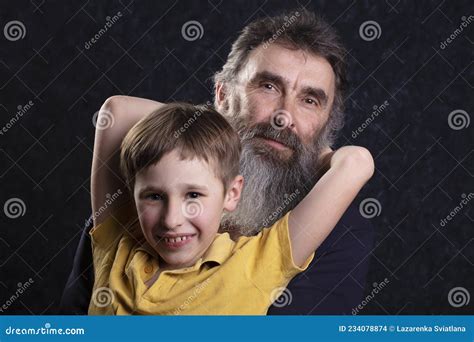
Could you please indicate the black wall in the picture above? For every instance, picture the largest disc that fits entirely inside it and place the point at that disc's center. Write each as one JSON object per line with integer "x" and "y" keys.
{"x": 423, "y": 165}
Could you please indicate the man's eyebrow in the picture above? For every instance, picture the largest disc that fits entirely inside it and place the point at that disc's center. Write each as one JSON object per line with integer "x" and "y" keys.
{"x": 318, "y": 93}
{"x": 269, "y": 77}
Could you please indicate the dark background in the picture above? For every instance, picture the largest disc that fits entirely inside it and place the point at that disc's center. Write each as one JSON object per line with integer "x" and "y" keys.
{"x": 423, "y": 166}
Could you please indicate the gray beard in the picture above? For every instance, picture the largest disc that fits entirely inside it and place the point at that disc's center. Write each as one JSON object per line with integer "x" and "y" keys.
{"x": 273, "y": 185}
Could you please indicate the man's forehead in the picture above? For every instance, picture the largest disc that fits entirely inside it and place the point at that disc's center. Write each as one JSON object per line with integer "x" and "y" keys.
{"x": 290, "y": 64}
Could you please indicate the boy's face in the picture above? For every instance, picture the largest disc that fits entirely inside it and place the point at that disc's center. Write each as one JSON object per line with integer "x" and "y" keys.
{"x": 180, "y": 204}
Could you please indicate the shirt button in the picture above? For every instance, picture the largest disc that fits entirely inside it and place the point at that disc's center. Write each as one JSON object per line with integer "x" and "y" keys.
{"x": 148, "y": 269}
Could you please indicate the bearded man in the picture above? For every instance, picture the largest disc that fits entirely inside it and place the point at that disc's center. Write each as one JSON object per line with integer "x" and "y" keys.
{"x": 282, "y": 88}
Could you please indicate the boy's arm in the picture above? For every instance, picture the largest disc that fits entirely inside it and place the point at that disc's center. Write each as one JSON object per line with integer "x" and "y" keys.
{"x": 120, "y": 113}
{"x": 311, "y": 221}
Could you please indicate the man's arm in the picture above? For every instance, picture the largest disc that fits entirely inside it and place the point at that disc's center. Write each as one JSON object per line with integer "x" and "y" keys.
{"x": 121, "y": 112}
{"x": 350, "y": 168}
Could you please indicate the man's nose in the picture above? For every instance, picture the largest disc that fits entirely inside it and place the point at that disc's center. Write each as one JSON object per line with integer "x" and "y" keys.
{"x": 285, "y": 115}
{"x": 173, "y": 216}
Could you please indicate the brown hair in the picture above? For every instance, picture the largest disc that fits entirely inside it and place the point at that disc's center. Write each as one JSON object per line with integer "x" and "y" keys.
{"x": 196, "y": 131}
{"x": 300, "y": 29}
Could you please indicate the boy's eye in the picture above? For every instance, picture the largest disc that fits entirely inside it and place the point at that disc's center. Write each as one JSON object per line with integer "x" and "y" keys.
{"x": 194, "y": 194}
{"x": 154, "y": 197}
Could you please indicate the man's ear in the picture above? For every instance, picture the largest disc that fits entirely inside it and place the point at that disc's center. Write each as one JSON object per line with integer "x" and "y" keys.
{"x": 221, "y": 96}
{"x": 234, "y": 190}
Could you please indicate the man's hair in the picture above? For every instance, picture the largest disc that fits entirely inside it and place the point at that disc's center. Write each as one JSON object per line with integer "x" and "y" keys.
{"x": 194, "y": 131}
{"x": 298, "y": 29}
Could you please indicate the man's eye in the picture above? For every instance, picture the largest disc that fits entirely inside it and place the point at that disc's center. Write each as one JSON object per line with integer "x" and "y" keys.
{"x": 268, "y": 86}
{"x": 311, "y": 101}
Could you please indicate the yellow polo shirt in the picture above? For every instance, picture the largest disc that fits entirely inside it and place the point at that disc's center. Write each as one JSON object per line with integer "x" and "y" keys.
{"x": 240, "y": 277}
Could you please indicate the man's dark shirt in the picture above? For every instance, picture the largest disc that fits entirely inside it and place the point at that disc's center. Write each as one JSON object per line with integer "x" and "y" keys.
{"x": 333, "y": 284}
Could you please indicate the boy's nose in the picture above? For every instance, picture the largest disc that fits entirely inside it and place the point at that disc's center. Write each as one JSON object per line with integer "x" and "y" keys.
{"x": 174, "y": 216}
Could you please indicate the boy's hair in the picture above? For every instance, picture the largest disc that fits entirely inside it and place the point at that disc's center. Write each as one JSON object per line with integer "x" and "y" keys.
{"x": 194, "y": 130}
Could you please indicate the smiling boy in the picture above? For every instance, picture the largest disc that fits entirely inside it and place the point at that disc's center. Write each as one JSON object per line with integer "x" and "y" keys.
{"x": 173, "y": 260}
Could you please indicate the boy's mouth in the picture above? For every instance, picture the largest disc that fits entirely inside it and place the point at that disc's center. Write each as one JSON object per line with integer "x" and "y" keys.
{"x": 176, "y": 241}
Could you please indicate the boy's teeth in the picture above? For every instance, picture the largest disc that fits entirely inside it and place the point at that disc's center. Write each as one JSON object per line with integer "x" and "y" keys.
{"x": 177, "y": 239}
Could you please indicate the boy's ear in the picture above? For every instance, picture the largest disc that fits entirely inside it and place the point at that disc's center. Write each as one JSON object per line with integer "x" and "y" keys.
{"x": 233, "y": 194}
{"x": 221, "y": 96}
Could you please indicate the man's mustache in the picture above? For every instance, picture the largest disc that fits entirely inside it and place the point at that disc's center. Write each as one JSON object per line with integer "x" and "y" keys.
{"x": 265, "y": 130}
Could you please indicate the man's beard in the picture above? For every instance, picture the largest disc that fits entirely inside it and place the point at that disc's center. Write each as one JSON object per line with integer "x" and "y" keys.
{"x": 274, "y": 181}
